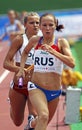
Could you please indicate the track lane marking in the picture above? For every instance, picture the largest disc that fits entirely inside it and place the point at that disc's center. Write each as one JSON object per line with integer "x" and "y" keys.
{"x": 4, "y": 75}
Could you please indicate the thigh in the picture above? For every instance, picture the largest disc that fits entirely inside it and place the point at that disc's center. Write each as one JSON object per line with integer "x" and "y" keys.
{"x": 17, "y": 102}
{"x": 52, "y": 105}
{"x": 38, "y": 100}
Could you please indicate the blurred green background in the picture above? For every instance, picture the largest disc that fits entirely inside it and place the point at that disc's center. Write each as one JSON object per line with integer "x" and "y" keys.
{"x": 29, "y": 5}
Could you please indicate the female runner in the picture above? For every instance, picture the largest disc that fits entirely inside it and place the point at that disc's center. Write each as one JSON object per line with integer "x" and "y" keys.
{"x": 13, "y": 27}
{"x": 18, "y": 96}
{"x": 49, "y": 56}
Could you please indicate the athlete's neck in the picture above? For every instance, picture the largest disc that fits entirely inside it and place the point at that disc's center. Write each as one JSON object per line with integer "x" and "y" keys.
{"x": 28, "y": 35}
{"x": 12, "y": 22}
{"x": 48, "y": 41}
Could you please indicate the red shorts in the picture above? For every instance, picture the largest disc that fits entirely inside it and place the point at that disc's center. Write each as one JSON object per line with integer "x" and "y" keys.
{"x": 22, "y": 90}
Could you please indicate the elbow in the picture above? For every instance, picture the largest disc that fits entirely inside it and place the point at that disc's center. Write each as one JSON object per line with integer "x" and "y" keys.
{"x": 72, "y": 64}
{"x": 4, "y": 65}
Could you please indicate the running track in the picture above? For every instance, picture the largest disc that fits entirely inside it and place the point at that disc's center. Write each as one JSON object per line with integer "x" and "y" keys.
{"x": 5, "y": 120}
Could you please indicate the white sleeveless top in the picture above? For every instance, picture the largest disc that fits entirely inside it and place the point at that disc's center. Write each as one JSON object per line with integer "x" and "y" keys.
{"x": 46, "y": 62}
{"x": 30, "y": 57}
{"x": 11, "y": 27}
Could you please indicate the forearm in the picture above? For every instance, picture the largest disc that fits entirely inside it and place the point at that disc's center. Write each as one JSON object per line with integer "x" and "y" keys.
{"x": 68, "y": 60}
{"x": 23, "y": 60}
{"x": 11, "y": 67}
{"x": 1, "y": 37}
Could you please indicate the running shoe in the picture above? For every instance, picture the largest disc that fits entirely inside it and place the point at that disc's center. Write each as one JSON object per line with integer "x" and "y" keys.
{"x": 27, "y": 127}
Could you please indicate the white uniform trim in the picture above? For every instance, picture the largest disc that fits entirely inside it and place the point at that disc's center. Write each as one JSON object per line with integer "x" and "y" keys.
{"x": 31, "y": 86}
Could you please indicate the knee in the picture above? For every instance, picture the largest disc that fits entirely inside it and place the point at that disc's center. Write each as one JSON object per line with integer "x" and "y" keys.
{"x": 44, "y": 117}
{"x": 18, "y": 122}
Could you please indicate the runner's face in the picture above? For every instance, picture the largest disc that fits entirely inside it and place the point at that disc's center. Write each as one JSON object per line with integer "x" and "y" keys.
{"x": 47, "y": 26}
{"x": 32, "y": 25}
{"x": 11, "y": 16}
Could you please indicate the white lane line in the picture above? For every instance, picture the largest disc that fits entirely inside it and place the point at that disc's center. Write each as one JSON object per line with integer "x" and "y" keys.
{"x": 4, "y": 75}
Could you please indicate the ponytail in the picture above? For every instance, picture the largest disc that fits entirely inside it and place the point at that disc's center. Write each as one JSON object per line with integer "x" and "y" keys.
{"x": 59, "y": 27}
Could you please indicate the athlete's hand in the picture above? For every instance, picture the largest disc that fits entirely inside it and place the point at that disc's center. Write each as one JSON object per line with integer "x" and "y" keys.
{"x": 47, "y": 48}
{"x": 21, "y": 73}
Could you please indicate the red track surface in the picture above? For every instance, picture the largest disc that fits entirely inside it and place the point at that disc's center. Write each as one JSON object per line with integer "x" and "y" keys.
{"x": 5, "y": 120}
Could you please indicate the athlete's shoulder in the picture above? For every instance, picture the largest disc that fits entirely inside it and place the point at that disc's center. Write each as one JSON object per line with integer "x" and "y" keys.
{"x": 63, "y": 41}
{"x": 18, "y": 41}
{"x": 19, "y": 38}
{"x": 34, "y": 39}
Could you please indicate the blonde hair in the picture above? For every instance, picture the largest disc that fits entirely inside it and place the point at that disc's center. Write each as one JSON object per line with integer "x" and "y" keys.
{"x": 30, "y": 14}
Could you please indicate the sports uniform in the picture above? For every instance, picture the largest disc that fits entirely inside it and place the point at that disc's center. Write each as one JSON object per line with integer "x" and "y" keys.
{"x": 46, "y": 62}
{"x": 29, "y": 61}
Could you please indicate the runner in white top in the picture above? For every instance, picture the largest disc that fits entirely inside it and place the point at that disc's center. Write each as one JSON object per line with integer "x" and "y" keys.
{"x": 18, "y": 96}
{"x": 13, "y": 27}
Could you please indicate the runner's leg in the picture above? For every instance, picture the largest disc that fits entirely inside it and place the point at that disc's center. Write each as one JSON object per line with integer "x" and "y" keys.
{"x": 17, "y": 106}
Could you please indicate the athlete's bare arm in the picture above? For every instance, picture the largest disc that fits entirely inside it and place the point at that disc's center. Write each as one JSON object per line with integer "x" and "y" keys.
{"x": 2, "y": 36}
{"x": 65, "y": 55}
{"x": 32, "y": 42}
{"x": 15, "y": 46}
